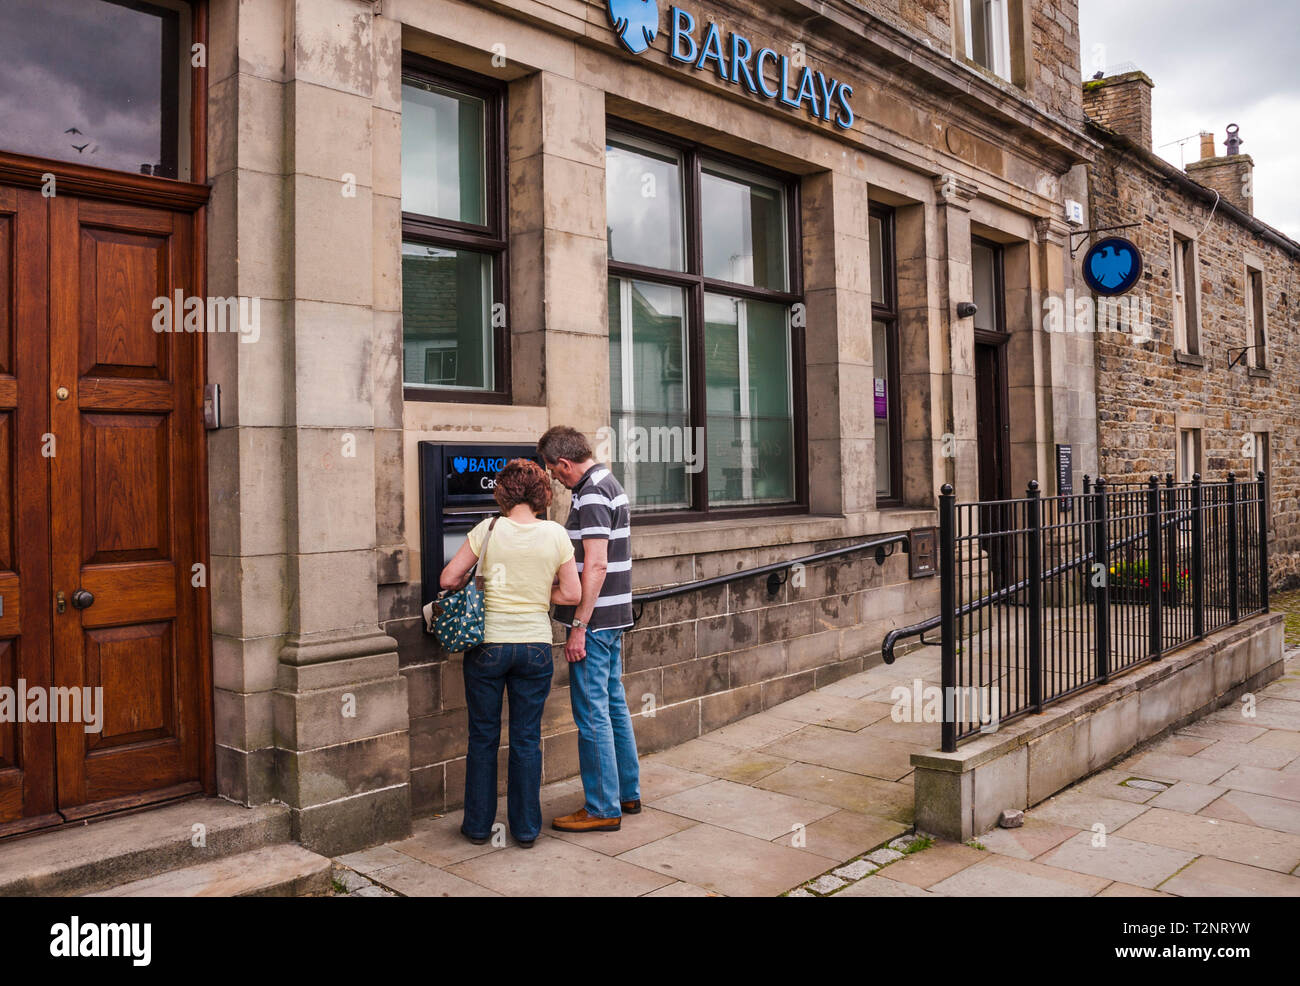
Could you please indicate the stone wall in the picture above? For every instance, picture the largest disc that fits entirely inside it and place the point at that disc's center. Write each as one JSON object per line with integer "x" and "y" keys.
{"x": 1146, "y": 391}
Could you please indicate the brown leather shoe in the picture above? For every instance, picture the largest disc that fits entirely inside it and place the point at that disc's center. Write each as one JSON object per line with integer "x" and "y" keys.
{"x": 631, "y": 807}
{"x": 580, "y": 821}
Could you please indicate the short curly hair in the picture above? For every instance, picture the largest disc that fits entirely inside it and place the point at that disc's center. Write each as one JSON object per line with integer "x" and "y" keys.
{"x": 523, "y": 481}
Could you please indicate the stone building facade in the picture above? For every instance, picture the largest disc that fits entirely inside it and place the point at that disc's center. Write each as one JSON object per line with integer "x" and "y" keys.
{"x": 763, "y": 217}
{"x": 1210, "y": 388}
{"x": 320, "y": 573}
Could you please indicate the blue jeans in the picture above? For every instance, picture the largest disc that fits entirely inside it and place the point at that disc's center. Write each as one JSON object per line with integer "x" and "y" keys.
{"x": 606, "y": 744}
{"x": 524, "y": 669}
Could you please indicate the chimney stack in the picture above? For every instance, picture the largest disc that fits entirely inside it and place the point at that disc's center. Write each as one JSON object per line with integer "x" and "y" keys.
{"x": 1121, "y": 103}
{"x": 1232, "y": 176}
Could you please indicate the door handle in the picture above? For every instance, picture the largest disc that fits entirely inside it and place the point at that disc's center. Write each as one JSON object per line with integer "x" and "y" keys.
{"x": 82, "y": 599}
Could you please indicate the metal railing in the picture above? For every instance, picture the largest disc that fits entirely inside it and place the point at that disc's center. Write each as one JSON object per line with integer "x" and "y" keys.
{"x": 776, "y": 572}
{"x": 1043, "y": 597}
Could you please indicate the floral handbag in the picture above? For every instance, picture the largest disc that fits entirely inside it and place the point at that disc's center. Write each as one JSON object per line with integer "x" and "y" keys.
{"x": 456, "y": 616}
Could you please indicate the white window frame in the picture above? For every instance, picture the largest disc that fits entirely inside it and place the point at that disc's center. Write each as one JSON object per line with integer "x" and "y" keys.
{"x": 1189, "y": 447}
{"x": 999, "y": 31}
{"x": 1186, "y": 308}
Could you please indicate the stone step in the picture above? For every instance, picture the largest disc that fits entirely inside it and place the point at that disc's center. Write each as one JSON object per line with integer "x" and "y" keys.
{"x": 273, "y": 871}
{"x": 84, "y": 858}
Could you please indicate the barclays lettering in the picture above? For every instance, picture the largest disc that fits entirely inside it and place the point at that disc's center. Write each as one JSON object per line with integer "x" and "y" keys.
{"x": 760, "y": 73}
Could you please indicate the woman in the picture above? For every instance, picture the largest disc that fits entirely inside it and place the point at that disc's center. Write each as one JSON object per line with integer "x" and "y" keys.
{"x": 528, "y": 565}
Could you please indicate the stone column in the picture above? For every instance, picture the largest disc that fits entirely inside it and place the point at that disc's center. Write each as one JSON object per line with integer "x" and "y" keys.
{"x": 953, "y": 197}
{"x": 295, "y": 581}
{"x": 837, "y": 292}
{"x": 1044, "y": 378}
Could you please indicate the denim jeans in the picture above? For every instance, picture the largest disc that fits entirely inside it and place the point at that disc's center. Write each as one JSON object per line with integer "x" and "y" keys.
{"x": 525, "y": 670}
{"x": 606, "y": 744}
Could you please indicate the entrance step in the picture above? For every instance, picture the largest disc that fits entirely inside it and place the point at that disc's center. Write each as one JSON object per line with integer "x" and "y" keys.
{"x": 272, "y": 871}
{"x": 89, "y": 857}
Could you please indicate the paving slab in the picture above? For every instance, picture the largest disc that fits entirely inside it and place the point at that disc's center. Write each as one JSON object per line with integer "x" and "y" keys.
{"x": 1256, "y": 809}
{"x": 1218, "y": 729}
{"x": 680, "y": 889}
{"x": 1270, "y": 713}
{"x": 882, "y": 886}
{"x": 1261, "y": 780}
{"x": 1232, "y": 841}
{"x": 727, "y": 862}
{"x": 1250, "y": 754}
{"x": 843, "y": 835}
{"x": 926, "y": 868}
{"x": 1081, "y": 810}
{"x": 1280, "y": 739}
{"x": 1120, "y": 859}
{"x": 835, "y": 711}
{"x": 658, "y": 779}
{"x": 368, "y": 860}
{"x": 646, "y": 826}
{"x": 1029, "y": 841}
{"x": 1167, "y": 767}
{"x": 418, "y": 879}
{"x": 749, "y": 810}
{"x": 856, "y": 792}
{"x": 1111, "y": 784}
{"x": 553, "y": 868}
{"x": 1187, "y": 796}
{"x": 1128, "y": 890}
{"x": 1181, "y": 746}
{"x": 1210, "y": 876}
{"x": 1005, "y": 876}
{"x": 439, "y": 842}
{"x": 928, "y": 734}
{"x": 852, "y": 752}
{"x": 716, "y": 760}
{"x": 755, "y": 731}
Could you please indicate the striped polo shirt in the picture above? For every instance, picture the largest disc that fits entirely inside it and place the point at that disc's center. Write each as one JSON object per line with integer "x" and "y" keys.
{"x": 600, "y": 510}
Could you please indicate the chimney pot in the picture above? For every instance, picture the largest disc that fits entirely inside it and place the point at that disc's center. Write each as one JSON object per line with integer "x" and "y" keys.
{"x": 1234, "y": 141}
{"x": 1207, "y": 146}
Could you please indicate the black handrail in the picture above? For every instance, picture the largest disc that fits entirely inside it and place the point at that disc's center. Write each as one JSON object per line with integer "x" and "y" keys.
{"x": 919, "y": 629}
{"x": 772, "y": 571}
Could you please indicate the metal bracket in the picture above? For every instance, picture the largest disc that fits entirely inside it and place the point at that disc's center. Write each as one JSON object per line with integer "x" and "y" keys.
{"x": 1085, "y": 233}
{"x": 1236, "y": 356}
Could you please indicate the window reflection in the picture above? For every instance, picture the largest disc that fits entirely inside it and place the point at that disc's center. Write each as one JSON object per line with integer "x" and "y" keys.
{"x": 94, "y": 82}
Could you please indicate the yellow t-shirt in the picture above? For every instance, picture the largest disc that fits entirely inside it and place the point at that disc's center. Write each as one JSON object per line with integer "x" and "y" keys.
{"x": 518, "y": 572}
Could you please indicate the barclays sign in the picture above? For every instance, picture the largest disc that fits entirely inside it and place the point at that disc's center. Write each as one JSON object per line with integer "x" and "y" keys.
{"x": 760, "y": 73}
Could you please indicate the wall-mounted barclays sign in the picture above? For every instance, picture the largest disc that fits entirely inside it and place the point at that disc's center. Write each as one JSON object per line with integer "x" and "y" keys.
{"x": 761, "y": 73}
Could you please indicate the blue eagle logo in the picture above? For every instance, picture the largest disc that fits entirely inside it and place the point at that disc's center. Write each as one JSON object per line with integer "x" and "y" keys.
{"x": 1113, "y": 266}
{"x": 636, "y": 22}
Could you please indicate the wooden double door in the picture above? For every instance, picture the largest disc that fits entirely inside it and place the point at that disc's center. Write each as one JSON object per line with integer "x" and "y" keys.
{"x": 102, "y": 576}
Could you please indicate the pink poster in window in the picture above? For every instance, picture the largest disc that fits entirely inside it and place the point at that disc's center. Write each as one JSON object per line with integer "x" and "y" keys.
{"x": 882, "y": 399}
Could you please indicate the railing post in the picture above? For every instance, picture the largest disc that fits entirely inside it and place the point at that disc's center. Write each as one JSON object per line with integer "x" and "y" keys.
{"x": 1171, "y": 541}
{"x": 1034, "y": 573}
{"x": 1089, "y": 592}
{"x": 1234, "y": 611}
{"x": 1101, "y": 594}
{"x": 1263, "y": 541}
{"x": 1198, "y": 558}
{"x": 1155, "y": 568}
{"x": 948, "y": 612}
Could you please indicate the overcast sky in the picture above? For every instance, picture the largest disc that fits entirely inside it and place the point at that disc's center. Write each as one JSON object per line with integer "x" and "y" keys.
{"x": 1214, "y": 62}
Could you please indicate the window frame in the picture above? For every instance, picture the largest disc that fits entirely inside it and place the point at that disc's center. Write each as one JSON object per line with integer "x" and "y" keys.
{"x": 1185, "y": 268}
{"x": 887, "y": 312}
{"x": 1001, "y": 45}
{"x": 1185, "y": 470}
{"x": 492, "y": 237}
{"x": 1257, "y": 316}
{"x": 695, "y": 286}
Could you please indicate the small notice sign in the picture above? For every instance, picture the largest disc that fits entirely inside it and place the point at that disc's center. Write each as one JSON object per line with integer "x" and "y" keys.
{"x": 882, "y": 398}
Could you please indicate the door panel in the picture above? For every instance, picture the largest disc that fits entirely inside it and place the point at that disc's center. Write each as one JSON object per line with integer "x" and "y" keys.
{"x": 26, "y": 749}
{"x": 125, "y": 499}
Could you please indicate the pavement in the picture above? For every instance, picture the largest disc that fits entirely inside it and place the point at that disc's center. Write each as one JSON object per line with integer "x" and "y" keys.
{"x": 814, "y": 798}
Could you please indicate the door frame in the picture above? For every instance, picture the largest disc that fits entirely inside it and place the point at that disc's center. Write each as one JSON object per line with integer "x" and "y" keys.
{"x": 28, "y": 172}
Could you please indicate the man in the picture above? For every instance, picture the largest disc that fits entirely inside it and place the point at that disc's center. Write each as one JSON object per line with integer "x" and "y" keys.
{"x": 599, "y": 527}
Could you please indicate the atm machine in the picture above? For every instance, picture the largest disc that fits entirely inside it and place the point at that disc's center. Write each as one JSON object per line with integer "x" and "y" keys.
{"x": 456, "y": 492}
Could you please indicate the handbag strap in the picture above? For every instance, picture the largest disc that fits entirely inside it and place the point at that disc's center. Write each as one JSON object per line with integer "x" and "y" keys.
{"x": 482, "y": 556}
